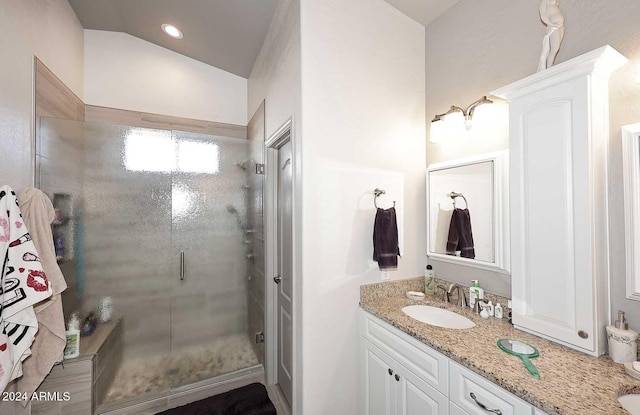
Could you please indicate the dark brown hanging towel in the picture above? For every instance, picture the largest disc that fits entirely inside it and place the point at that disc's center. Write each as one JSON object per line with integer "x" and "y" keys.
{"x": 385, "y": 239}
{"x": 460, "y": 235}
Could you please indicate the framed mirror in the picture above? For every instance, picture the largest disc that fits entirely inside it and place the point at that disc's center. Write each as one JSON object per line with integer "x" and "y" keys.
{"x": 631, "y": 169}
{"x": 468, "y": 211}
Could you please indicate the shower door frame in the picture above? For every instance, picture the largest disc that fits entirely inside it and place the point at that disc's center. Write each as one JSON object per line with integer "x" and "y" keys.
{"x": 174, "y": 396}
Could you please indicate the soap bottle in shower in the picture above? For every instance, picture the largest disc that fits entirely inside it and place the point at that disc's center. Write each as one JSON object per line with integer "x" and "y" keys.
{"x": 59, "y": 246}
{"x": 72, "y": 348}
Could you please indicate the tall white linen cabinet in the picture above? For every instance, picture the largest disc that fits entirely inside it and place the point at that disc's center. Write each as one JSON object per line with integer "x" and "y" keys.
{"x": 559, "y": 131}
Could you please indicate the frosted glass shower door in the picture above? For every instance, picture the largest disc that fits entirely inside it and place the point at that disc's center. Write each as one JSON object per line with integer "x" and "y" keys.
{"x": 210, "y": 256}
{"x": 127, "y": 190}
{"x": 116, "y": 221}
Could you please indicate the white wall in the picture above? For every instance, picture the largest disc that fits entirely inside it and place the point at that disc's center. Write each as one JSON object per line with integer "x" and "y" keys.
{"x": 122, "y": 71}
{"x": 477, "y": 47}
{"x": 50, "y": 30}
{"x": 275, "y": 76}
{"x": 363, "y": 123}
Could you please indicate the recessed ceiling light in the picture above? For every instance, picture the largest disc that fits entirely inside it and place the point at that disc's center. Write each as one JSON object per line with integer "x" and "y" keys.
{"x": 172, "y": 31}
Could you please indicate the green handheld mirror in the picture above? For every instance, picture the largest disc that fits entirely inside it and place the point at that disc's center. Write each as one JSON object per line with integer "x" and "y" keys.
{"x": 523, "y": 350}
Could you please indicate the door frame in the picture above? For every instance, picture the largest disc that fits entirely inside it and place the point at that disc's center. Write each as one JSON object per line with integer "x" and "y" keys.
{"x": 283, "y": 134}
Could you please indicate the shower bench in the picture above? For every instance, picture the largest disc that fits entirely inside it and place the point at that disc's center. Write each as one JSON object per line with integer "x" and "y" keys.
{"x": 86, "y": 378}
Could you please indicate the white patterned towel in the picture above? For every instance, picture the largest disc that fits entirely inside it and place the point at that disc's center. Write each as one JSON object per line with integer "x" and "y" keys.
{"x": 23, "y": 283}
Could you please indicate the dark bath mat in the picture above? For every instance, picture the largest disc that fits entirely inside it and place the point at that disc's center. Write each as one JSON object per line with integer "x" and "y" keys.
{"x": 247, "y": 400}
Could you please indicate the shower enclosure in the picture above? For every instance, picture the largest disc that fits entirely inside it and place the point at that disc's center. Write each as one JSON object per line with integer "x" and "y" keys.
{"x": 167, "y": 224}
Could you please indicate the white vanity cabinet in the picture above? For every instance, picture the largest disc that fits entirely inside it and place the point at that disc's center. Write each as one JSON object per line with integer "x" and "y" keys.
{"x": 559, "y": 129}
{"x": 401, "y": 375}
{"x": 390, "y": 388}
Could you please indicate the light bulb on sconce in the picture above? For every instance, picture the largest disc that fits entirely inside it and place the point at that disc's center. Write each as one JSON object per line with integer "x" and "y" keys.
{"x": 452, "y": 121}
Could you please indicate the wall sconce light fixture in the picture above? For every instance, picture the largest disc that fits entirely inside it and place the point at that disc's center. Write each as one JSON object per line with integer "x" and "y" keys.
{"x": 452, "y": 120}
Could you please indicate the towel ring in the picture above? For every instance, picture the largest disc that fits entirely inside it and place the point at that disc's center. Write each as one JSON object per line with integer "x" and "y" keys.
{"x": 376, "y": 193}
{"x": 454, "y": 195}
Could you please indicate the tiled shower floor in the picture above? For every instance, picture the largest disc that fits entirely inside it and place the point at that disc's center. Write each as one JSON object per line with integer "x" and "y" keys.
{"x": 136, "y": 378}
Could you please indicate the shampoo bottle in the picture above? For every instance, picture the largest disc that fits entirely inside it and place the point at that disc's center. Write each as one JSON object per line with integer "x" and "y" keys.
{"x": 429, "y": 281}
{"x": 59, "y": 246}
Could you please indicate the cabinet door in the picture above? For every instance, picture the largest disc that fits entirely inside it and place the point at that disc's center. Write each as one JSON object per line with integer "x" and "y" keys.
{"x": 378, "y": 382}
{"x": 415, "y": 397}
{"x": 423, "y": 361}
{"x": 552, "y": 229}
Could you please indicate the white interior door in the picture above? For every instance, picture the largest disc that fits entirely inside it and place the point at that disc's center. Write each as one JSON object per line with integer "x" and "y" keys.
{"x": 285, "y": 270}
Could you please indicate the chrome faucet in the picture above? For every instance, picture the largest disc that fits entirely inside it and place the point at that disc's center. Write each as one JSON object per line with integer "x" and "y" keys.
{"x": 462, "y": 299}
{"x": 445, "y": 292}
{"x": 479, "y": 305}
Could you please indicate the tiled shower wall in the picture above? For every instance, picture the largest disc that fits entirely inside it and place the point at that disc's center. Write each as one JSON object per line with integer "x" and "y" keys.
{"x": 59, "y": 171}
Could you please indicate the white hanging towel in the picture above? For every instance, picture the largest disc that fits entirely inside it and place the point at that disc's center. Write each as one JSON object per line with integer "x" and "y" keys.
{"x": 23, "y": 284}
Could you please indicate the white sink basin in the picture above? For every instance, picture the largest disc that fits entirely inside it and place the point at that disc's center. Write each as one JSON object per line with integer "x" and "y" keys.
{"x": 631, "y": 403}
{"x": 438, "y": 317}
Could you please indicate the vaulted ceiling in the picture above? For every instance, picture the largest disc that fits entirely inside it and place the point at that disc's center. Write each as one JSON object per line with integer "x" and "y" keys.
{"x": 423, "y": 11}
{"x": 227, "y": 34}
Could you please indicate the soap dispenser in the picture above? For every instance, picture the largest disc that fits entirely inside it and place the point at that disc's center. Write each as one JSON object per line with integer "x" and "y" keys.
{"x": 622, "y": 341}
{"x": 475, "y": 293}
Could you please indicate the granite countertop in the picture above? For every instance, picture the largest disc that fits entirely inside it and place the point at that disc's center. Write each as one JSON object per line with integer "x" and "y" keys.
{"x": 572, "y": 383}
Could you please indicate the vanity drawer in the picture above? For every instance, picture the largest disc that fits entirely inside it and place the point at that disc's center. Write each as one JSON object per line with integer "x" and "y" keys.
{"x": 464, "y": 383}
{"x": 429, "y": 365}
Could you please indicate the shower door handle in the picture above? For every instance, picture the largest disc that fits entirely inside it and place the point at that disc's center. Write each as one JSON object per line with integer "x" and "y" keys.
{"x": 181, "y": 265}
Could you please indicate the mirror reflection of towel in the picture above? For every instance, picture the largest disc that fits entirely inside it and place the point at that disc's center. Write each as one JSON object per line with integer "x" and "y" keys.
{"x": 385, "y": 239}
{"x": 460, "y": 235}
{"x": 442, "y": 230}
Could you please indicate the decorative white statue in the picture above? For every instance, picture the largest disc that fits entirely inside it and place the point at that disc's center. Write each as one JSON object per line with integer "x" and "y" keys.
{"x": 551, "y": 16}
